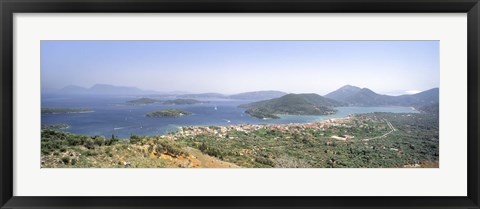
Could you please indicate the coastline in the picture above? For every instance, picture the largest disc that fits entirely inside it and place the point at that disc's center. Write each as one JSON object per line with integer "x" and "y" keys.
{"x": 163, "y": 126}
{"x": 80, "y": 112}
{"x": 353, "y": 141}
{"x": 221, "y": 131}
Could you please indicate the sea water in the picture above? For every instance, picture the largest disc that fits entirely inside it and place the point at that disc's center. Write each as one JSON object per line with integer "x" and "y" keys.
{"x": 111, "y": 115}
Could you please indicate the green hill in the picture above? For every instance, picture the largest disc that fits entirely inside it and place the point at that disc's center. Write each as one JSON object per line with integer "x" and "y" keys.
{"x": 291, "y": 104}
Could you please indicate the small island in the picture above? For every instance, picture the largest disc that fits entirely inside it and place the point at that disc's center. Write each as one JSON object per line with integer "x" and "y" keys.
{"x": 65, "y": 110}
{"x": 55, "y": 126}
{"x": 182, "y": 102}
{"x": 168, "y": 113}
{"x": 142, "y": 101}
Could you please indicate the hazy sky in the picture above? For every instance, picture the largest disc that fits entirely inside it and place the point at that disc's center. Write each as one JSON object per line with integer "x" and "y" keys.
{"x": 390, "y": 67}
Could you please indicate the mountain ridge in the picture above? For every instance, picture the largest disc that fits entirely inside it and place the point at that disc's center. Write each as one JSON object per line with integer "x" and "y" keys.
{"x": 258, "y": 95}
{"x": 367, "y": 97}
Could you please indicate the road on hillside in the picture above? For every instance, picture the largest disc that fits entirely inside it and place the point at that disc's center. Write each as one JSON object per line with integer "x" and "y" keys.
{"x": 392, "y": 129}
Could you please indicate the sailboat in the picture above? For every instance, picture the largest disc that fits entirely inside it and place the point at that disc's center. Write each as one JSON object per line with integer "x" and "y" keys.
{"x": 215, "y": 107}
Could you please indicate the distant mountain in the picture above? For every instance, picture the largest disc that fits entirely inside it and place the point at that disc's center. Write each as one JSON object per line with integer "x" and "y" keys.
{"x": 258, "y": 95}
{"x": 426, "y": 97}
{"x": 343, "y": 92}
{"x": 366, "y": 97}
{"x": 292, "y": 104}
{"x": 354, "y": 96}
{"x": 103, "y": 89}
{"x": 73, "y": 90}
{"x": 203, "y": 96}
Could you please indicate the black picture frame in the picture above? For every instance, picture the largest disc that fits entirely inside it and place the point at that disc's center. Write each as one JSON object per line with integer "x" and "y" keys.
{"x": 9, "y": 7}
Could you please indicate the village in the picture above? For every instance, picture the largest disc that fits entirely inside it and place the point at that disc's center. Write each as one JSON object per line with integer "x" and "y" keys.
{"x": 223, "y": 132}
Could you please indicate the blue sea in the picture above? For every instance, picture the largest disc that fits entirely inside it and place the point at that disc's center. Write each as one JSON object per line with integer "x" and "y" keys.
{"x": 113, "y": 116}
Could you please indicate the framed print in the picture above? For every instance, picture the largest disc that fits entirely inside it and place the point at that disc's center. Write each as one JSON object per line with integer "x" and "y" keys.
{"x": 259, "y": 104}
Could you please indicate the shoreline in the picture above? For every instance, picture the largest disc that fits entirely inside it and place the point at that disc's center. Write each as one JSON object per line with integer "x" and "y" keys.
{"x": 245, "y": 127}
{"x": 80, "y": 112}
{"x": 289, "y": 122}
{"x": 222, "y": 131}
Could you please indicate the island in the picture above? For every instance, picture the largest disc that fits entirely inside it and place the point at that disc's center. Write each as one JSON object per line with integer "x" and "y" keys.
{"x": 142, "y": 101}
{"x": 168, "y": 113}
{"x": 65, "y": 110}
{"x": 55, "y": 126}
{"x": 182, "y": 102}
{"x": 291, "y": 104}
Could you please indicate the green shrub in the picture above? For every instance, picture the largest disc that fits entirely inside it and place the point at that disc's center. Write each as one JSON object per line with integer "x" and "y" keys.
{"x": 169, "y": 147}
{"x": 99, "y": 140}
{"x": 65, "y": 160}
{"x": 212, "y": 151}
{"x": 265, "y": 161}
{"x": 88, "y": 153}
{"x": 111, "y": 141}
{"x": 88, "y": 143}
{"x": 134, "y": 139}
{"x": 150, "y": 149}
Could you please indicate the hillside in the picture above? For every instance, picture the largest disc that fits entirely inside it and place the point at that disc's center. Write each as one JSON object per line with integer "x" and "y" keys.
{"x": 79, "y": 151}
{"x": 375, "y": 140}
{"x": 355, "y": 96}
{"x": 258, "y": 95}
{"x": 291, "y": 104}
{"x": 429, "y": 108}
{"x": 426, "y": 97}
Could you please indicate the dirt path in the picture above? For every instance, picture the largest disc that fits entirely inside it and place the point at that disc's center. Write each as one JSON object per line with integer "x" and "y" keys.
{"x": 392, "y": 129}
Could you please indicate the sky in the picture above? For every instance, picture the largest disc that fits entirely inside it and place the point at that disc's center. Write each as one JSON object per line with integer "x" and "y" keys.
{"x": 228, "y": 67}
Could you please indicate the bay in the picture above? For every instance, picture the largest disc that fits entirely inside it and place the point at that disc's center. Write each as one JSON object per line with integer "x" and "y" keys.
{"x": 111, "y": 115}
